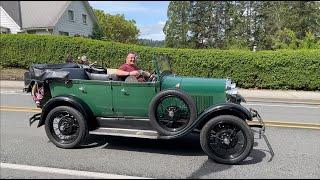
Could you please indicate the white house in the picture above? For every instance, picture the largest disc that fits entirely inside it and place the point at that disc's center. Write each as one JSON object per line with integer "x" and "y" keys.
{"x": 49, "y": 17}
{"x": 10, "y": 21}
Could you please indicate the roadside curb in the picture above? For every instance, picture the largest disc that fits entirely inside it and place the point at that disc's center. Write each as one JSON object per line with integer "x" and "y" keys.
{"x": 286, "y": 101}
{"x": 11, "y": 84}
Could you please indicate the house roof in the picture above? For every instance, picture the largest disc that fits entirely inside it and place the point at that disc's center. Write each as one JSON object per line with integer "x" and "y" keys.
{"x": 13, "y": 10}
{"x": 45, "y": 14}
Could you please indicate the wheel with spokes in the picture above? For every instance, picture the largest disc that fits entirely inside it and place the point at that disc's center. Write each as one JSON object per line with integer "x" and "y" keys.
{"x": 171, "y": 111}
{"x": 226, "y": 139}
{"x": 66, "y": 127}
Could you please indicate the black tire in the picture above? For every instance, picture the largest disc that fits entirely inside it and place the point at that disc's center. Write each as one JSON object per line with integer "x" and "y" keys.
{"x": 65, "y": 116}
{"x": 219, "y": 134}
{"x": 179, "y": 114}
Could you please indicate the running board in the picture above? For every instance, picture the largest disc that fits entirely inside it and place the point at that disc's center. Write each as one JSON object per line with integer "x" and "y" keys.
{"x": 125, "y": 123}
{"x": 138, "y": 133}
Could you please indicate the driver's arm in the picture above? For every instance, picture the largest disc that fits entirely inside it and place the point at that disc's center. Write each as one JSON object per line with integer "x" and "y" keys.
{"x": 120, "y": 72}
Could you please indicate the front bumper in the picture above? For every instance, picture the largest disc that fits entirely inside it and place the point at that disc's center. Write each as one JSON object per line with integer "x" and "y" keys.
{"x": 235, "y": 98}
{"x": 261, "y": 129}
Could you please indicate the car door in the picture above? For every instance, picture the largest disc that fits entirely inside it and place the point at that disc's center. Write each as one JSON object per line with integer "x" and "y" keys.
{"x": 98, "y": 95}
{"x": 133, "y": 99}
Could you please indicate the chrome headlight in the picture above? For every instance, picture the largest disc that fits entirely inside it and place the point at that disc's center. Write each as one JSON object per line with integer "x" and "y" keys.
{"x": 231, "y": 87}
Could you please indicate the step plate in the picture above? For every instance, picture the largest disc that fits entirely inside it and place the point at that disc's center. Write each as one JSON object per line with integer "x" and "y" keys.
{"x": 125, "y": 123}
{"x": 139, "y": 133}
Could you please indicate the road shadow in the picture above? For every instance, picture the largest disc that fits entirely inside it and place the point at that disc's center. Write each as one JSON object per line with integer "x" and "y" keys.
{"x": 185, "y": 146}
{"x": 210, "y": 166}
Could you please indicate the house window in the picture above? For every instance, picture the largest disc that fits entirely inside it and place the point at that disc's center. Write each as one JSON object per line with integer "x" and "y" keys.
{"x": 84, "y": 19}
{"x": 31, "y": 32}
{"x": 63, "y": 33}
{"x": 71, "y": 15}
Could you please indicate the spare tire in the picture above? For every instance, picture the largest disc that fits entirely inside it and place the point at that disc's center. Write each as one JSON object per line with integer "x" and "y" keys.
{"x": 172, "y": 111}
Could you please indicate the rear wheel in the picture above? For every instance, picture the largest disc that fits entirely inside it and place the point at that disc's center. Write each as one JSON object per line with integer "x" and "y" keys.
{"x": 66, "y": 127}
{"x": 226, "y": 139}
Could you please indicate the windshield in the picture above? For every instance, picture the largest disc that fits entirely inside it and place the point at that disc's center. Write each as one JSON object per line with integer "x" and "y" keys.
{"x": 163, "y": 64}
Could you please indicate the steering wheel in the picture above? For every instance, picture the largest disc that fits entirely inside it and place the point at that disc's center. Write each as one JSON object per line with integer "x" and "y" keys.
{"x": 152, "y": 76}
{"x": 92, "y": 63}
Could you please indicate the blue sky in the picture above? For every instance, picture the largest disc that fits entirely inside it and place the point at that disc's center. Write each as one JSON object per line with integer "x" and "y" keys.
{"x": 150, "y": 16}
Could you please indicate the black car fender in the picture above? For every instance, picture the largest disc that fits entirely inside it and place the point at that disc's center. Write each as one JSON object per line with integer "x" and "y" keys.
{"x": 213, "y": 111}
{"x": 229, "y": 108}
{"x": 68, "y": 100}
{"x": 223, "y": 109}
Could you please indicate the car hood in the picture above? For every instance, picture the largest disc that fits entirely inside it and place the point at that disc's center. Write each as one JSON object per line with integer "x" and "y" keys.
{"x": 195, "y": 86}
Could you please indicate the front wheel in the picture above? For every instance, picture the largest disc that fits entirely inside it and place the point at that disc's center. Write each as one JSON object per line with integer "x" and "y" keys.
{"x": 226, "y": 139}
{"x": 172, "y": 111}
{"x": 66, "y": 127}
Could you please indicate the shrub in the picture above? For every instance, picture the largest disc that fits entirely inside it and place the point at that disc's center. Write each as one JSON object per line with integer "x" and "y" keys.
{"x": 282, "y": 69}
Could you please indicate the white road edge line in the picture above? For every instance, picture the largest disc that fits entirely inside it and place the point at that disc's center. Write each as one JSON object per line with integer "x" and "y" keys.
{"x": 68, "y": 172}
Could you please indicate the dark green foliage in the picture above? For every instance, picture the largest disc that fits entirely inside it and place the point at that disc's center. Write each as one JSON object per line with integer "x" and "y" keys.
{"x": 176, "y": 27}
{"x": 247, "y": 25}
{"x": 97, "y": 32}
{"x": 283, "y": 69}
{"x": 151, "y": 43}
{"x": 116, "y": 27}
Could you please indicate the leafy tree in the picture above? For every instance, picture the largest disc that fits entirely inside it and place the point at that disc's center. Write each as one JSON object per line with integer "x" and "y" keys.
{"x": 117, "y": 28}
{"x": 97, "y": 32}
{"x": 303, "y": 17}
{"x": 238, "y": 25}
{"x": 176, "y": 27}
{"x": 199, "y": 23}
{"x": 309, "y": 42}
{"x": 243, "y": 24}
{"x": 286, "y": 39}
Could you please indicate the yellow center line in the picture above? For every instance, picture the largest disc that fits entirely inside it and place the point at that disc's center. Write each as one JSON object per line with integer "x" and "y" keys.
{"x": 284, "y": 122}
{"x": 289, "y": 125}
{"x": 17, "y": 107}
{"x": 270, "y": 123}
{"x": 20, "y": 110}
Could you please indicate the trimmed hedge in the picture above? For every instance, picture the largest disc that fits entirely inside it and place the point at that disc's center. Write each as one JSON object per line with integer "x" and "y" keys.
{"x": 283, "y": 69}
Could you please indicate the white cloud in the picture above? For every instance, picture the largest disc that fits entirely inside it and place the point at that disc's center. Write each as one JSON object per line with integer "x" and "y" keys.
{"x": 153, "y": 31}
{"x": 143, "y": 12}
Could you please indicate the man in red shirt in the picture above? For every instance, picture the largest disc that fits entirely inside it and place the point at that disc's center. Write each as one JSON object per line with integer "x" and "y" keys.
{"x": 131, "y": 69}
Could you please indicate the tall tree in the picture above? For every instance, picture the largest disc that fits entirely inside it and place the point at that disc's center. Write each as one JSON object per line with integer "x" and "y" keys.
{"x": 243, "y": 24}
{"x": 238, "y": 19}
{"x": 200, "y": 15}
{"x": 303, "y": 17}
{"x": 176, "y": 27}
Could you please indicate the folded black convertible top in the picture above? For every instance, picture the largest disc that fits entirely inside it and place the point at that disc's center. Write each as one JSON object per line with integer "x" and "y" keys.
{"x": 42, "y": 72}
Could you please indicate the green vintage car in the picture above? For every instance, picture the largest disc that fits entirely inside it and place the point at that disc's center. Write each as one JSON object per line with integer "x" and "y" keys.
{"x": 78, "y": 100}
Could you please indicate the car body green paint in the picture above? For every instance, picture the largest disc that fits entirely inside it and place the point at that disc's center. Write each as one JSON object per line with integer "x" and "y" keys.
{"x": 118, "y": 98}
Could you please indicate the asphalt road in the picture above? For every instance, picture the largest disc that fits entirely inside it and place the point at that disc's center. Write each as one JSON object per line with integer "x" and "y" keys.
{"x": 297, "y": 150}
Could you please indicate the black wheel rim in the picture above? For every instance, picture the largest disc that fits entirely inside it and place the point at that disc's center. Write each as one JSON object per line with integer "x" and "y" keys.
{"x": 172, "y": 113}
{"x": 64, "y": 127}
{"x": 227, "y": 140}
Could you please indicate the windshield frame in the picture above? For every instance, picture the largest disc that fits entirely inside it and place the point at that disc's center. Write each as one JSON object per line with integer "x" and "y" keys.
{"x": 162, "y": 64}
